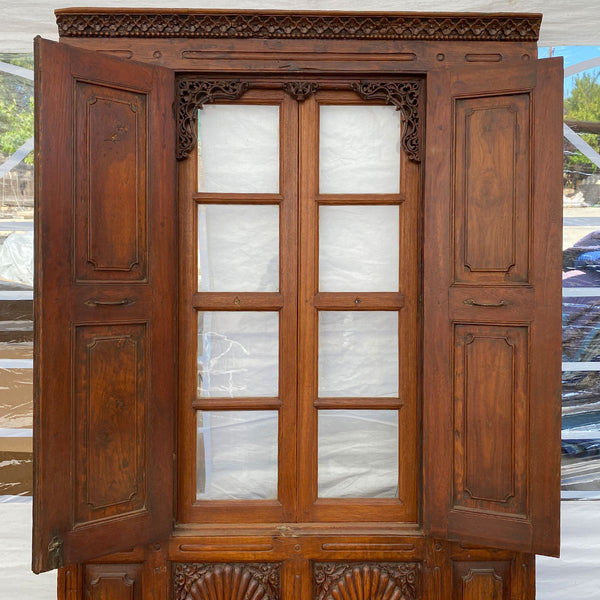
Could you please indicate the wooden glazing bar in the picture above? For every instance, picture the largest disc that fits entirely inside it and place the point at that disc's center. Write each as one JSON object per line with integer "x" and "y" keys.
{"x": 354, "y": 403}
{"x": 367, "y": 199}
{"x": 237, "y": 301}
{"x": 236, "y": 403}
{"x": 358, "y": 301}
{"x": 224, "y": 198}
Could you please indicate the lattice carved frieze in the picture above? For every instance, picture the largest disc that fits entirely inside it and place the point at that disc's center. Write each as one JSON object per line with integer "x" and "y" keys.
{"x": 192, "y": 95}
{"x": 366, "y": 581}
{"x": 197, "y": 24}
{"x": 405, "y": 96}
{"x": 231, "y": 581}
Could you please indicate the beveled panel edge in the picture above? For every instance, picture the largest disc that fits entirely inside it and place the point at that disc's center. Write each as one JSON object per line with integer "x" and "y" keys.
{"x": 163, "y": 23}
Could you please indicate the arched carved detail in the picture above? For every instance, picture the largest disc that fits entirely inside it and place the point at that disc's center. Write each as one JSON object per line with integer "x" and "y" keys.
{"x": 300, "y": 90}
{"x": 193, "y": 94}
{"x": 231, "y": 581}
{"x": 366, "y": 581}
{"x": 404, "y": 95}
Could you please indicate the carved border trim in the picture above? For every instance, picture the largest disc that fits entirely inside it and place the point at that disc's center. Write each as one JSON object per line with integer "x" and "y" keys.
{"x": 404, "y": 95}
{"x": 194, "y": 93}
{"x": 357, "y": 26}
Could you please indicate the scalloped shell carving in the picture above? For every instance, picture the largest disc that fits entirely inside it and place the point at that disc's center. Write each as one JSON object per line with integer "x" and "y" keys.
{"x": 367, "y": 581}
{"x": 234, "y": 581}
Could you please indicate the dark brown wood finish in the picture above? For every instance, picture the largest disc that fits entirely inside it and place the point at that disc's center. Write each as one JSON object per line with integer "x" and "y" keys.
{"x": 106, "y": 330}
{"x": 478, "y": 305}
{"x": 490, "y": 389}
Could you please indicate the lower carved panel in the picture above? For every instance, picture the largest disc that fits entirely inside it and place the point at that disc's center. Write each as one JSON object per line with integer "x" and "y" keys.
{"x": 231, "y": 581}
{"x": 479, "y": 580}
{"x": 366, "y": 581}
{"x": 113, "y": 582}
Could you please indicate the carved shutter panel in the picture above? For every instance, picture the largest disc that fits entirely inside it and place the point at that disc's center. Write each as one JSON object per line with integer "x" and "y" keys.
{"x": 105, "y": 296}
{"x": 492, "y": 302}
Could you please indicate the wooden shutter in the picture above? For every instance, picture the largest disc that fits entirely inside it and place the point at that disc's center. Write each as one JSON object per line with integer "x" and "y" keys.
{"x": 105, "y": 305}
{"x": 492, "y": 303}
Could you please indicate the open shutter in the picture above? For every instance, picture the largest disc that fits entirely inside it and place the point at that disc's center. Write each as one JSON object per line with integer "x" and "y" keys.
{"x": 492, "y": 303}
{"x": 105, "y": 305}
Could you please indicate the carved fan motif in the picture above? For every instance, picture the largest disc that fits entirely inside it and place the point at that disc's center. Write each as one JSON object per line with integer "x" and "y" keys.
{"x": 370, "y": 581}
{"x": 252, "y": 581}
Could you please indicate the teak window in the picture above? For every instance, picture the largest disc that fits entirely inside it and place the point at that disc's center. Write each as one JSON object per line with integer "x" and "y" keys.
{"x": 297, "y": 289}
{"x": 303, "y": 310}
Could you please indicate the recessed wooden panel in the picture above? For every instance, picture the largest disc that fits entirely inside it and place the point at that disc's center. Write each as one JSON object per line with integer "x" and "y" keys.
{"x": 110, "y": 179}
{"x": 110, "y": 382}
{"x": 478, "y": 580}
{"x": 490, "y": 417}
{"x": 491, "y": 189}
{"x": 113, "y": 582}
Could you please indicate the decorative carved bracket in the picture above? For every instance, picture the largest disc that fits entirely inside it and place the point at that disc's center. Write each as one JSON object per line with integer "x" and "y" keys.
{"x": 404, "y": 95}
{"x": 193, "y": 94}
{"x": 300, "y": 90}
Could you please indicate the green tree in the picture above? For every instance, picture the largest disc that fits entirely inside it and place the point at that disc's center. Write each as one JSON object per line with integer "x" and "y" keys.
{"x": 16, "y": 107}
{"x": 583, "y": 104}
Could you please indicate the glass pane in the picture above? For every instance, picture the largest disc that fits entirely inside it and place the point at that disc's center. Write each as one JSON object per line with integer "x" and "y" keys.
{"x": 358, "y": 248}
{"x": 238, "y": 248}
{"x": 359, "y": 150}
{"x": 358, "y": 454}
{"x": 238, "y": 149}
{"x": 358, "y": 354}
{"x": 238, "y": 354}
{"x": 236, "y": 455}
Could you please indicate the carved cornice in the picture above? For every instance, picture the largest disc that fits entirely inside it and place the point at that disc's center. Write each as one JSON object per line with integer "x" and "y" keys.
{"x": 199, "y": 581}
{"x": 282, "y": 25}
{"x": 350, "y": 580}
{"x": 404, "y": 95}
{"x": 193, "y": 94}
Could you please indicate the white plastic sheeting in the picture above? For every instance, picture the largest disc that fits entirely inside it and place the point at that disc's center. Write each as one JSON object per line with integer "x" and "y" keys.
{"x": 359, "y": 149}
{"x": 238, "y": 149}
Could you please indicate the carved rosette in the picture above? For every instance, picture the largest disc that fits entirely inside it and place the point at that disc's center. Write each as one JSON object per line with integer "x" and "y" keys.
{"x": 192, "y": 95}
{"x": 181, "y": 24}
{"x": 232, "y": 581}
{"x": 366, "y": 581}
{"x": 404, "y": 95}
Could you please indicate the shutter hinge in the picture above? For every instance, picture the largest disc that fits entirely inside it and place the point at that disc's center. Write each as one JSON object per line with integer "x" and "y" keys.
{"x": 55, "y": 553}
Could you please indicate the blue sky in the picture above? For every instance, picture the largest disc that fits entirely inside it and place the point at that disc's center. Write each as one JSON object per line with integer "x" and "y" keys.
{"x": 572, "y": 56}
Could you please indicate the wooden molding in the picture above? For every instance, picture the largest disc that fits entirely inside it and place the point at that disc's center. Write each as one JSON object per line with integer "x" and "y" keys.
{"x": 305, "y": 25}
